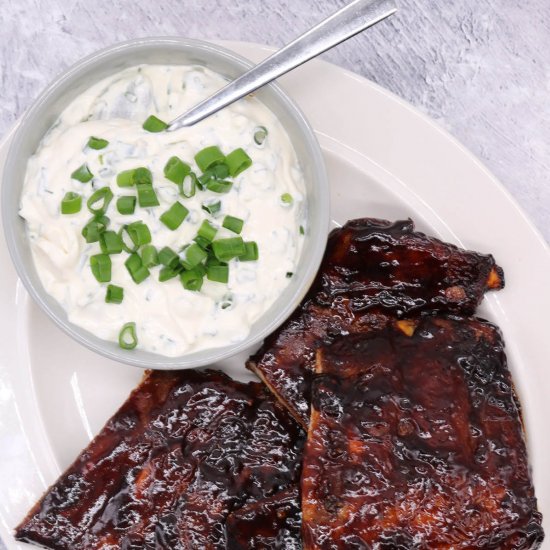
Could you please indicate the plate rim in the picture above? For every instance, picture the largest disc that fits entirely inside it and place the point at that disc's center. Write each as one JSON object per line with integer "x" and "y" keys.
{"x": 243, "y": 49}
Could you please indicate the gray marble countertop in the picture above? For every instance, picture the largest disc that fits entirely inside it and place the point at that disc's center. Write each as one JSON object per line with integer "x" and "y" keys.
{"x": 481, "y": 69}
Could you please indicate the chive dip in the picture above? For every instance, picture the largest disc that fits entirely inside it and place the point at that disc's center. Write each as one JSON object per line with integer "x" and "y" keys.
{"x": 172, "y": 242}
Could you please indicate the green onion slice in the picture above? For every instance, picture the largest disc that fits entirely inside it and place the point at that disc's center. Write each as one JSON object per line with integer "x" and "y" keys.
{"x": 212, "y": 207}
{"x": 227, "y": 249}
{"x": 302, "y": 230}
{"x": 110, "y": 242}
{"x": 82, "y": 174}
{"x": 97, "y": 143}
{"x": 207, "y": 231}
{"x": 238, "y": 161}
{"x": 127, "y": 338}
{"x": 217, "y": 273}
{"x": 139, "y": 233}
{"x": 101, "y": 197}
{"x": 202, "y": 242}
{"x": 114, "y": 294}
{"x": 154, "y": 124}
{"x": 193, "y": 256}
{"x": 286, "y": 198}
{"x": 192, "y": 279}
{"x": 219, "y": 186}
{"x": 251, "y": 252}
{"x": 208, "y": 157}
{"x": 260, "y": 133}
{"x": 167, "y": 273}
{"x": 135, "y": 176}
{"x": 93, "y": 229}
{"x": 101, "y": 267}
{"x": 146, "y": 195}
{"x": 176, "y": 170}
{"x": 126, "y": 205}
{"x": 128, "y": 245}
{"x": 189, "y": 186}
{"x": 168, "y": 257}
{"x": 125, "y": 178}
{"x": 137, "y": 270}
{"x": 174, "y": 216}
{"x": 233, "y": 224}
{"x": 71, "y": 203}
{"x": 149, "y": 256}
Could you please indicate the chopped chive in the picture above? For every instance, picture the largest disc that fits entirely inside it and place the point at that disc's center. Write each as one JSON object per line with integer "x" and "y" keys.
{"x": 135, "y": 176}
{"x": 97, "y": 143}
{"x": 102, "y": 197}
{"x": 167, "y": 273}
{"x": 203, "y": 179}
{"x": 238, "y": 161}
{"x": 233, "y": 224}
{"x": 128, "y": 244}
{"x": 208, "y": 157}
{"x": 202, "y": 242}
{"x": 93, "y": 229}
{"x": 302, "y": 230}
{"x": 192, "y": 279}
{"x": 101, "y": 267}
{"x": 127, "y": 338}
{"x": 149, "y": 256}
{"x": 227, "y": 249}
{"x": 146, "y": 195}
{"x": 289, "y": 274}
{"x": 286, "y": 198}
{"x": 207, "y": 231}
{"x": 188, "y": 186}
{"x": 126, "y": 205}
{"x": 174, "y": 216}
{"x": 125, "y": 178}
{"x": 139, "y": 233}
{"x": 217, "y": 273}
{"x": 135, "y": 267}
{"x": 114, "y": 294}
{"x": 110, "y": 242}
{"x": 260, "y": 133}
{"x": 212, "y": 207}
{"x": 219, "y": 186}
{"x": 154, "y": 124}
{"x": 176, "y": 170}
{"x": 193, "y": 256}
{"x": 168, "y": 257}
{"x": 82, "y": 174}
{"x": 251, "y": 252}
{"x": 212, "y": 260}
{"x": 71, "y": 203}
{"x": 142, "y": 175}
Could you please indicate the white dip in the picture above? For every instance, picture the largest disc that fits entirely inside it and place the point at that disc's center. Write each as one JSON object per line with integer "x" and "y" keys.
{"x": 170, "y": 320}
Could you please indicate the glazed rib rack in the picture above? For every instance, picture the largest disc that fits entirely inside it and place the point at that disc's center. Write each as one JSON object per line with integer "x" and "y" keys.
{"x": 414, "y": 440}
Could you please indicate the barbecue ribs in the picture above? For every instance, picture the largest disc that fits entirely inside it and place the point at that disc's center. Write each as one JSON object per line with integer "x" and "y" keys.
{"x": 373, "y": 271}
{"x": 185, "y": 450}
{"x": 270, "y": 524}
{"x": 416, "y": 442}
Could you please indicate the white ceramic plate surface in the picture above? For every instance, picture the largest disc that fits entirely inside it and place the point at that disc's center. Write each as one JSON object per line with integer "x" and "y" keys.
{"x": 385, "y": 159}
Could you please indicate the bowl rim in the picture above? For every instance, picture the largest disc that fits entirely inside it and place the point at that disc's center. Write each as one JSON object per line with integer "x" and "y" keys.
{"x": 155, "y": 360}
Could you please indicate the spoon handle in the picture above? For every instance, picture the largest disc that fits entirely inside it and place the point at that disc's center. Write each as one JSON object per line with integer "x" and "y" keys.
{"x": 345, "y": 23}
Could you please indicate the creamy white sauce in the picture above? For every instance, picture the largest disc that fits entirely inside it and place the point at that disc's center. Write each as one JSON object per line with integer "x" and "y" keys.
{"x": 170, "y": 320}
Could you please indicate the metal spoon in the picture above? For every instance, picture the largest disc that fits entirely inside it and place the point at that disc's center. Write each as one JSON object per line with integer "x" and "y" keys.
{"x": 345, "y": 23}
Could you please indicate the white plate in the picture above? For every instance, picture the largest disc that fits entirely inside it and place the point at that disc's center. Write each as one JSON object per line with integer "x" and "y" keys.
{"x": 386, "y": 160}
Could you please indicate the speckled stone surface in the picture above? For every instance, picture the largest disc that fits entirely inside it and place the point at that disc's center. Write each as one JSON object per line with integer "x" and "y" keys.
{"x": 481, "y": 69}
